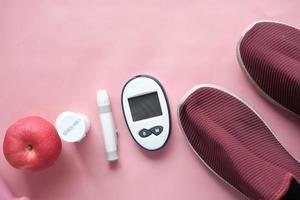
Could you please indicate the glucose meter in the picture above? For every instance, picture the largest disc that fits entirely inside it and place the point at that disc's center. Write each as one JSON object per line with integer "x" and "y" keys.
{"x": 146, "y": 111}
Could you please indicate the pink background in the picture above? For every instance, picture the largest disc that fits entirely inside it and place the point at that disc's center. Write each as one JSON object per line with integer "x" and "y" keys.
{"x": 55, "y": 54}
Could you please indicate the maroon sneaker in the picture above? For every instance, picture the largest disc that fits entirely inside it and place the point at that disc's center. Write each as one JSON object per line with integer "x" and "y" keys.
{"x": 269, "y": 53}
{"x": 235, "y": 143}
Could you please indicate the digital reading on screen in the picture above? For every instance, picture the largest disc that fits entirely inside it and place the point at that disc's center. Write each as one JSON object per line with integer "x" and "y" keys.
{"x": 144, "y": 106}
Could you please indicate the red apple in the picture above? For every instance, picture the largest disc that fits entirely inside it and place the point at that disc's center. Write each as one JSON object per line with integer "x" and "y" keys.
{"x": 31, "y": 143}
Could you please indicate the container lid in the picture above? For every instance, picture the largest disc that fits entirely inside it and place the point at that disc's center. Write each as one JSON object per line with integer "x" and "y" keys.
{"x": 72, "y": 127}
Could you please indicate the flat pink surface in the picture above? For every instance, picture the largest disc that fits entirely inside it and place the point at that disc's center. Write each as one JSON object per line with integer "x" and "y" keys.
{"x": 55, "y": 54}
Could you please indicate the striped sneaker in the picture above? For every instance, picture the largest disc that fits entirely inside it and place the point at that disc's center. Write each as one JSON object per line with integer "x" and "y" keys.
{"x": 269, "y": 53}
{"x": 237, "y": 145}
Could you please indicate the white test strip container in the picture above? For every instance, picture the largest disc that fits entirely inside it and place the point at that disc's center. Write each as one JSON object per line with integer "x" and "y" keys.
{"x": 72, "y": 127}
{"x": 109, "y": 130}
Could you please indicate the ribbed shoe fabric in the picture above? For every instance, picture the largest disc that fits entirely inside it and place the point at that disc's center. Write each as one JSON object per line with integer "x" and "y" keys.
{"x": 269, "y": 52}
{"x": 235, "y": 143}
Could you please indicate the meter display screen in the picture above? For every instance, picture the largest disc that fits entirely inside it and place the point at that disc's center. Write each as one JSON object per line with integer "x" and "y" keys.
{"x": 144, "y": 106}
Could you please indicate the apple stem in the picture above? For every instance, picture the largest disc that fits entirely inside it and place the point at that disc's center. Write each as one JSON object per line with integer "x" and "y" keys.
{"x": 29, "y": 147}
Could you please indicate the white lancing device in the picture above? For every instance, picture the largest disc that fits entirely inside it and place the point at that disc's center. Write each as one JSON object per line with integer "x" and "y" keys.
{"x": 109, "y": 130}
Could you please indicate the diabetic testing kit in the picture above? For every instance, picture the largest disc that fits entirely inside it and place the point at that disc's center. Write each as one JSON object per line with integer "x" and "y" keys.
{"x": 146, "y": 111}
